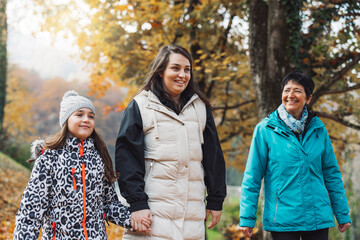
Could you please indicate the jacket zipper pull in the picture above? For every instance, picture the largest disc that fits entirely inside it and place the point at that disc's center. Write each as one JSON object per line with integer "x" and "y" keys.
{"x": 81, "y": 148}
{"x": 105, "y": 218}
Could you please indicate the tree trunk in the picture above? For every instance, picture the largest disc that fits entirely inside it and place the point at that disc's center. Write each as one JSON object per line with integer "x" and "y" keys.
{"x": 258, "y": 15}
{"x": 269, "y": 58}
{"x": 269, "y": 36}
{"x": 3, "y": 62}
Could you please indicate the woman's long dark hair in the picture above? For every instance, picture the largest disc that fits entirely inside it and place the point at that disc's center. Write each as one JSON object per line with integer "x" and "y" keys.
{"x": 58, "y": 140}
{"x": 153, "y": 80}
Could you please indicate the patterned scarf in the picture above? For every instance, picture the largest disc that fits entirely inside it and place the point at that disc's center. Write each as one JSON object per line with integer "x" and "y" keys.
{"x": 293, "y": 124}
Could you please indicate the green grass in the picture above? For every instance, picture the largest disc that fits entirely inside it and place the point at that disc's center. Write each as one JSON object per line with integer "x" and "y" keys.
{"x": 6, "y": 161}
{"x": 229, "y": 216}
{"x": 214, "y": 235}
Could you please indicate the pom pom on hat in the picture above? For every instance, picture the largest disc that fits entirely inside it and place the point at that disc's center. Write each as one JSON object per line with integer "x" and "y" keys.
{"x": 70, "y": 93}
{"x": 71, "y": 102}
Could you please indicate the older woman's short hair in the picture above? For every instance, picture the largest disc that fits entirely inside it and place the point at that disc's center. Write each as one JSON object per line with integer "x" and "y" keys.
{"x": 301, "y": 78}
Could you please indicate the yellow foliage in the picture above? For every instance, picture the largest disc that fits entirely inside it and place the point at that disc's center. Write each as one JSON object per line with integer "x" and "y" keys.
{"x": 122, "y": 40}
{"x": 18, "y": 114}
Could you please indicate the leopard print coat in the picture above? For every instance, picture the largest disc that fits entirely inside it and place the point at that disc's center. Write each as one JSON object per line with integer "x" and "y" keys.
{"x": 68, "y": 196}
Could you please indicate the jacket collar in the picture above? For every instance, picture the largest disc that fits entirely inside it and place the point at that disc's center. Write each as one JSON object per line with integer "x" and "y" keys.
{"x": 278, "y": 126}
{"x": 73, "y": 144}
{"x": 155, "y": 104}
{"x": 276, "y": 121}
{"x": 186, "y": 95}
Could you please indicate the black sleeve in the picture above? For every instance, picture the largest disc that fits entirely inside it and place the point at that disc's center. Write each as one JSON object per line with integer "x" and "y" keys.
{"x": 214, "y": 165}
{"x": 129, "y": 158}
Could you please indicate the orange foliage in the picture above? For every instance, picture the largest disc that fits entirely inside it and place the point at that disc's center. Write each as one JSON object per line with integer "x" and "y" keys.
{"x": 233, "y": 232}
{"x": 114, "y": 232}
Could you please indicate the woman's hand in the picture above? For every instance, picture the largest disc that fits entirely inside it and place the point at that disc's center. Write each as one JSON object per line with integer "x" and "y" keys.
{"x": 215, "y": 217}
{"x": 141, "y": 215}
{"x": 247, "y": 231}
{"x": 342, "y": 227}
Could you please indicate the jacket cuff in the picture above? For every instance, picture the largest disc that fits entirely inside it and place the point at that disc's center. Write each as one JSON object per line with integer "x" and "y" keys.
{"x": 247, "y": 223}
{"x": 213, "y": 205}
{"x": 136, "y": 206}
{"x": 342, "y": 219}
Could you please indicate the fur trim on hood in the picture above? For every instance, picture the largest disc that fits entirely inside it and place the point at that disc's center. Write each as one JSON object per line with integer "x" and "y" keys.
{"x": 36, "y": 149}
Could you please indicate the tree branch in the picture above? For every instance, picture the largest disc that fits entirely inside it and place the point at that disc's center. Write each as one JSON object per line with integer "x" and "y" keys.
{"x": 344, "y": 140}
{"x": 230, "y": 136}
{"x": 226, "y": 101}
{"x": 210, "y": 88}
{"x": 334, "y": 62}
{"x": 234, "y": 106}
{"x": 347, "y": 89}
{"x": 338, "y": 76}
{"x": 223, "y": 37}
{"x": 338, "y": 120}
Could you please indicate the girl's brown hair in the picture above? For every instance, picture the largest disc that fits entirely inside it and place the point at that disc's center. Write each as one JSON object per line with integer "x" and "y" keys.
{"x": 58, "y": 140}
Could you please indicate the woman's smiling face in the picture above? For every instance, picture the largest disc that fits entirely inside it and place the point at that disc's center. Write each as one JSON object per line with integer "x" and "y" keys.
{"x": 294, "y": 98}
{"x": 176, "y": 75}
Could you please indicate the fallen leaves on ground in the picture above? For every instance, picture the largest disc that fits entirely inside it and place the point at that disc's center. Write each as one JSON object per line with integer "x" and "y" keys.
{"x": 13, "y": 180}
{"x": 233, "y": 232}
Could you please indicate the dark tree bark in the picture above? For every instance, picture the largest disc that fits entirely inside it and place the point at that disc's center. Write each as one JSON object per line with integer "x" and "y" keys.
{"x": 3, "y": 62}
{"x": 269, "y": 58}
{"x": 258, "y": 15}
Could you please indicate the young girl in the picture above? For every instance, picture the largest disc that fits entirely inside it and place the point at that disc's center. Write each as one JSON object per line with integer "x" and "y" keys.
{"x": 70, "y": 191}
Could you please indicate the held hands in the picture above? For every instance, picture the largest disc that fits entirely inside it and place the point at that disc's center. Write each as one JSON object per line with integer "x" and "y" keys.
{"x": 247, "y": 231}
{"x": 342, "y": 227}
{"x": 215, "y": 217}
{"x": 141, "y": 220}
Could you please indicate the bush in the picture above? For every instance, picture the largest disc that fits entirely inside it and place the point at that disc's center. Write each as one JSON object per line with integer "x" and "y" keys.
{"x": 19, "y": 151}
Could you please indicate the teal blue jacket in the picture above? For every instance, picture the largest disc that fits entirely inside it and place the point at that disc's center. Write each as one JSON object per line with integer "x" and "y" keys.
{"x": 303, "y": 185}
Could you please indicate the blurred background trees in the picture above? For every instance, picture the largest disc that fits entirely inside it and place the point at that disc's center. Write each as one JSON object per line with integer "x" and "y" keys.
{"x": 3, "y": 65}
{"x": 241, "y": 50}
{"x": 228, "y": 40}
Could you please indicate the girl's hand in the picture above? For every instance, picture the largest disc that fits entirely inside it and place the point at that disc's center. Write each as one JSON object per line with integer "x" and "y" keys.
{"x": 147, "y": 223}
{"x": 342, "y": 227}
{"x": 247, "y": 231}
{"x": 136, "y": 219}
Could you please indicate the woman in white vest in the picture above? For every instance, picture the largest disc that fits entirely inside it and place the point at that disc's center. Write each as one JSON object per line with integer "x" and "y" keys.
{"x": 168, "y": 153}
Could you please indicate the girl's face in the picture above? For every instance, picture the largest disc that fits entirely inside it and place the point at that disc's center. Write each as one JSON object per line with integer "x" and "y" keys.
{"x": 81, "y": 123}
{"x": 176, "y": 75}
{"x": 294, "y": 98}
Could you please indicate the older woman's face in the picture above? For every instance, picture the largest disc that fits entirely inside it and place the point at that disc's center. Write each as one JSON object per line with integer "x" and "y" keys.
{"x": 294, "y": 98}
{"x": 176, "y": 75}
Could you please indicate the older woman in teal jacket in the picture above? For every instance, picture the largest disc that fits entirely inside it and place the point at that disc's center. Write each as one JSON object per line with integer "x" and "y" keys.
{"x": 292, "y": 151}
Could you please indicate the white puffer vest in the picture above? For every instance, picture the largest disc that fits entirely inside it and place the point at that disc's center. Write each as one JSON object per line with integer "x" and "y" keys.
{"x": 174, "y": 179}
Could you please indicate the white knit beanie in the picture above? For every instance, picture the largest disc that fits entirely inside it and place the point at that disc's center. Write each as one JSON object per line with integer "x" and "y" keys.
{"x": 71, "y": 102}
